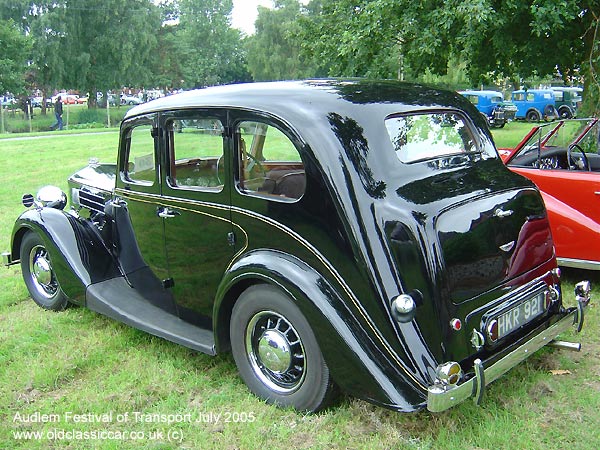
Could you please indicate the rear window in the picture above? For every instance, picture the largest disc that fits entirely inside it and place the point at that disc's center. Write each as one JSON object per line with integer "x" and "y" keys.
{"x": 473, "y": 98}
{"x": 426, "y": 136}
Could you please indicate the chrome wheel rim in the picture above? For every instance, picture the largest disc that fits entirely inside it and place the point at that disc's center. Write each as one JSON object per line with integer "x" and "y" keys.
{"x": 42, "y": 275}
{"x": 275, "y": 352}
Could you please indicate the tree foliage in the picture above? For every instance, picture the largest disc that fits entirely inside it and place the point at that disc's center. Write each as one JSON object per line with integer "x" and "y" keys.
{"x": 274, "y": 51}
{"x": 107, "y": 44}
{"x": 510, "y": 38}
{"x": 13, "y": 57}
{"x": 211, "y": 49}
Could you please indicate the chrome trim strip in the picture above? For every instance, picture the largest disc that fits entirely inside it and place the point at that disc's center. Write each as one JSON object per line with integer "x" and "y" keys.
{"x": 578, "y": 263}
{"x": 440, "y": 398}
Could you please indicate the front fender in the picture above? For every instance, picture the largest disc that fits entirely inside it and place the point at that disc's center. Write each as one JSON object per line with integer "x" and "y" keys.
{"x": 79, "y": 257}
{"x": 357, "y": 363}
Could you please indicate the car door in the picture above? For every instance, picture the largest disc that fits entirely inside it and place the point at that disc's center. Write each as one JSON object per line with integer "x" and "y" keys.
{"x": 195, "y": 208}
{"x": 139, "y": 231}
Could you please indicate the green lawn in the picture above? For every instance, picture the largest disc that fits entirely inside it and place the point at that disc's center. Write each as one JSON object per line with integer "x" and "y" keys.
{"x": 78, "y": 362}
{"x": 75, "y": 117}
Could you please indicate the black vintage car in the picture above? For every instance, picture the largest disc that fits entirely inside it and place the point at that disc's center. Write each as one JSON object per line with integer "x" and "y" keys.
{"x": 330, "y": 233}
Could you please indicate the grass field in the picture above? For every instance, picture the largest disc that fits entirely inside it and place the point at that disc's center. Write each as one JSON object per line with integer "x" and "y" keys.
{"x": 75, "y": 117}
{"x": 77, "y": 362}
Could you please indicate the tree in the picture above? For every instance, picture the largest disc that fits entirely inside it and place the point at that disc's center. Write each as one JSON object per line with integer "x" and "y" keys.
{"x": 274, "y": 50}
{"x": 494, "y": 38}
{"x": 88, "y": 45}
{"x": 40, "y": 22}
{"x": 210, "y": 50}
{"x": 15, "y": 50}
{"x": 108, "y": 43}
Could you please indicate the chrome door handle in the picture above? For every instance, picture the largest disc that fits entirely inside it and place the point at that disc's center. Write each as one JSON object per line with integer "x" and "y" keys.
{"x": 166, "y": 213}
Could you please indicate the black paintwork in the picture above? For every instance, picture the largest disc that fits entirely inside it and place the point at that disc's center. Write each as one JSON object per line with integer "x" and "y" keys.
{"x": 367, "y": 229}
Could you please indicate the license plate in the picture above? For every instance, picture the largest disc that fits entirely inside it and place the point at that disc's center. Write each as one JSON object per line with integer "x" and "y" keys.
{"x": 521, "y": 314}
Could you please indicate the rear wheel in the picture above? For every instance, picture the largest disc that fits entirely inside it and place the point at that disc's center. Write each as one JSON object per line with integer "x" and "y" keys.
{"x": 276, "y": 351}
{"x": 39, "y": 275}
{"x": 565, "y": 113}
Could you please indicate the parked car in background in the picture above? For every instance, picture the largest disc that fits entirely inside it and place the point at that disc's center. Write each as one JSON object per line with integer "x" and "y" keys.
{"x": 568, "y": 100}
{"x": 36, "y": 102}
{"x": 8, "y": 101}
{"x": 69, "y": 99}
{"x": 534, "y": 105}
{"x": 492, "y": 105}
{"x": 130, "y": 100}
{"x": 363, "y": 234}
{"x": 114, "y": 99}
{"x": 563, "y": 160}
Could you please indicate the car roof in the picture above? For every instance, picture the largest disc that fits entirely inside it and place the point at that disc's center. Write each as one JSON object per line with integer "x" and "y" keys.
{"x": 482, "y": 92}
{"x": 535, "y": 91}
{"x": 567, "y": 88}
{"x": 308, "y": 97}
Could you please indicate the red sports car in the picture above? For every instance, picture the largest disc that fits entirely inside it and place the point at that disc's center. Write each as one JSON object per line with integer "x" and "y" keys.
{"x": 563, "y": 160}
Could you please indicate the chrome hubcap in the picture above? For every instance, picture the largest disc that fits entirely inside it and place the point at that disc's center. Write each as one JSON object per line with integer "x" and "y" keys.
{"x": 275, "y": 352}
{"x": 41, "y": 272}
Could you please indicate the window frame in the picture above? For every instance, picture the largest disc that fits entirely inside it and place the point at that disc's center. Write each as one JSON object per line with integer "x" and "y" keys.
{"x": 478, "y": 150}
{"x": 125, "y": 149}
{"x": 293, "y": 139}
{"x": 170, "y": 151}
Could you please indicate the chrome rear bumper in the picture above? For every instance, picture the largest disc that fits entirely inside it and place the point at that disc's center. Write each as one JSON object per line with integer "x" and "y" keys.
{"x": 441, "y": 397}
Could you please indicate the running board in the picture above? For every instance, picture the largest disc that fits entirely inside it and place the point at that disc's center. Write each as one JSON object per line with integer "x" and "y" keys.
{"x": 116, "y": 299}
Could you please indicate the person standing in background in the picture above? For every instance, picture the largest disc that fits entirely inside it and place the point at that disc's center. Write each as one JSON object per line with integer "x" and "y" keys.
{"x": 58, "y": 111}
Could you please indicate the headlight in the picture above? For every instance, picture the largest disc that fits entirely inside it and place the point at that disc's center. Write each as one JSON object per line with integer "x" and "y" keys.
{"x": 51, "y": 197}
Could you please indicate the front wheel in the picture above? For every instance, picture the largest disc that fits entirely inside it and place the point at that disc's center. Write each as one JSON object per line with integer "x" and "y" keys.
{"x": 39, "y": 275}
{"x": 276, "y": 351}
{"x": 533, "y": 116}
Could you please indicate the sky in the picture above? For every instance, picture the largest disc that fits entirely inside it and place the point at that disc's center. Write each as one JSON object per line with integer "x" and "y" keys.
{"x": 245, "y": 12}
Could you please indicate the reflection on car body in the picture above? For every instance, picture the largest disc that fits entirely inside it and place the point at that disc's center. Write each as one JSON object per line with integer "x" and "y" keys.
{"x": 358, "y": 234}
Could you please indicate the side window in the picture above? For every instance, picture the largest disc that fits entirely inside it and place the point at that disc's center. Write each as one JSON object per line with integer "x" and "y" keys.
{"x": 519, "y": 96}
{"x": 140, "y": 156}
{"x": 530, "y": 97}
{"x": 425, "y": 136}
{"x": 196, "y": 152}
{"x": 269, "y": 163}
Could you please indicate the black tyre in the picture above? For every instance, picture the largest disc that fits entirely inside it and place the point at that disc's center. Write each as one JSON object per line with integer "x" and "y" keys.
{"x": 276, "y": 351}
{"x": 565, "y": 113}
{"x": 533, "y": 116}
{"x": 39, "y": 275}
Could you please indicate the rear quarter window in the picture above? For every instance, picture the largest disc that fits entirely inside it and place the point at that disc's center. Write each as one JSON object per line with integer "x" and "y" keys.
{"x": 425, "y": 136}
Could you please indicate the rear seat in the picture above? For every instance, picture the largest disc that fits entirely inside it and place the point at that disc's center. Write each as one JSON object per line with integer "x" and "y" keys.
{"x": 289, "y": 183}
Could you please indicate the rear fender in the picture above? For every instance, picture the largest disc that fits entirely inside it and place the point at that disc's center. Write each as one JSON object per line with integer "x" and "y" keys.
{"x": 79, "y": 257}
{"x": 357, "y": 362}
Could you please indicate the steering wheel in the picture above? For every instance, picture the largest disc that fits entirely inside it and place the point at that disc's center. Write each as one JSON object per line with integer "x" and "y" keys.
{"x": 577, "y": 162}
